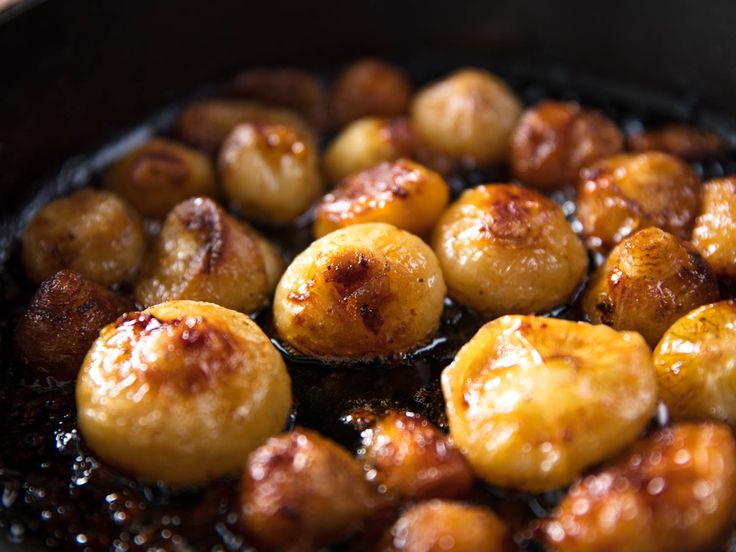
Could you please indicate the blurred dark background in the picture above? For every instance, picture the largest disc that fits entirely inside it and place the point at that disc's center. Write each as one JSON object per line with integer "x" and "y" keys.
{"x": 73, "y": 73}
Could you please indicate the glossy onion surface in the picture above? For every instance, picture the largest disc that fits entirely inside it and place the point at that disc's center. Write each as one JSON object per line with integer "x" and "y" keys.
{"x": 441, "y": 526}
{"x": 505, "y": 249}
{"x": 366, "y": 143}
{"x": 673, "y": 492}
{"x": 714, "y": 234}
{"x": 649, "y": 281}
{"x": 554, "y": 140}
{"x": 627, "y": 192}
{"x": 94, "y": 233}
{"x": 181, "y": 392}
{"x": 696, "y": 364}
{"x": 468, "y": 115}
{"x": 414, "y": 459}
{"x": 269, "y": 171}
{"x": 204, "y": 254}
{"x": 300, "y": 491}
{"x": 403, "y": 193}
{"x": 534, "y": 401}
{"x": 364, "y": 291}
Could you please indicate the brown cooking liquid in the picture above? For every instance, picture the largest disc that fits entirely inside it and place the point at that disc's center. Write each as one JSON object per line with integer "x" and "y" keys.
{"x": 56, "y": 494}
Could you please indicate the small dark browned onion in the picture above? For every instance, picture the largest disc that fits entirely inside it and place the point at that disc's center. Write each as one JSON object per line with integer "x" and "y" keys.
{"x": 301, "y": 491}
{"x": 286, "y": 87}
{"x": 414, "y": 459}
{"x": 649, "y": 281}
{"x": 554, "y": 140}
{"x": 684, "y": 141}
{"x": 62, "y": 321}
{"x": 368, "y": 88}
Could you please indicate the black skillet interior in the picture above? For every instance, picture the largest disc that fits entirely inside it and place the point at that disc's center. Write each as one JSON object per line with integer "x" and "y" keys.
{"x": 79, "y": 74}
{"x": 74, "y": 73}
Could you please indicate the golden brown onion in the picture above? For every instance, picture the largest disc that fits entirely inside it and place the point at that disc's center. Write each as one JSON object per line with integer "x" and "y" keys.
{"x": 532, "y": 401}
{"x": 301, "y": 491}
{"x": 160, "y": 173}
{"x": 649, "y": 281}
{"x": 469, "y": 115}
{"x": 554, "y": 140}
{"x": 414, "y": 459}
{"x": 204, "y": 254}
{"x": 627, "y": 192}
{"x": 64, "y": 318}
{"x": 672, "y": 492}
{"x": 403, "y": 193}
{"x": 366, "y": 143}
{"x": 696, "y": 364}
{"x": 91, "y": 232}
{"x": 506, "y": 249}
{"x": 181, "y": 392}
{"x": 363, "y": 291}
{"x": 368, "y": 88}
{"x": 270, "y": 171}
{"x": 714, "y": 235}
{"x": 446, "y": 526}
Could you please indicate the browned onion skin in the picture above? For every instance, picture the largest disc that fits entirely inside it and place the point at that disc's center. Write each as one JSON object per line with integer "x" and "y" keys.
{"x": 370, "y": 141}
{"x": 696, "y": 364}
{"x": 366, "y": 143}
{"x": 714, "y": 234}
{"x": 160, "y": 173}
{"x": 468, "y": 116}
{"x": 62, "y": 321}
{"x": 627, "y": 192}
{"x": 554, "y": 140}
{"x": 673, "y": 492}
{"x": 403, "y": 193}
{"x": 414, "y": 459}
{"x": 649, "y": 281}
{"x": 364, "y": 291}
{"x": 369, "y": 88}
{"x": 508, "y": 249}
{"x": 441, "y": 526}
{"x": 684, "y": 141}
{"x": 301, "y": 491}
{"x": 286, "y": 87}
{"x": 204, "y": 254}
{"x": 95, "y": 233}
{"x": 532, "y": 402}
{"x": 205, "y": 124}
{"x": 182, "y": 392}
{"x": 270, "y": 171}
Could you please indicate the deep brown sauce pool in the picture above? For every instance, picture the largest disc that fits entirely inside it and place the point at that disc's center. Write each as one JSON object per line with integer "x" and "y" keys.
{"x": 54, "y": 493}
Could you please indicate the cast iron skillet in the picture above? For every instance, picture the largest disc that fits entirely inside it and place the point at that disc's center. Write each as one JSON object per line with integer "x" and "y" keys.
{"x": 77, "y": 74}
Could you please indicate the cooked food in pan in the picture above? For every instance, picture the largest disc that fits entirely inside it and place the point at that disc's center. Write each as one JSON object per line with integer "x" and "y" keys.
{"x": 647, "y": 282}
{"x": 671, "y": 491}
{"x": 378, "y": 314}
{"x": 95, "y": 233}
{"x": 204, "y": 254}
{"x": 181, "y": 392}
{"x": 530, "y": 400}
{"x": 505, "y": 249}
{"x": 364, "y": 291}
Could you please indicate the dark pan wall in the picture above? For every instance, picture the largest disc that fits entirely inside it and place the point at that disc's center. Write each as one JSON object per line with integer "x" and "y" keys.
{"x": 73, "y": 72}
